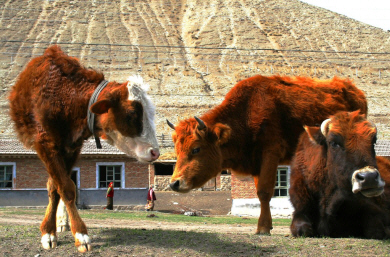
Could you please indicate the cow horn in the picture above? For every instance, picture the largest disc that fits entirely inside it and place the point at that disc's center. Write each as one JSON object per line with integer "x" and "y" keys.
{"x": 324, "y": 126}
{"x": 201, "y": 123}
{"x": 170, "y": 124}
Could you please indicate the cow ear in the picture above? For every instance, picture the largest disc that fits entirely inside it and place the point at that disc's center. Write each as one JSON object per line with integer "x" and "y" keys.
{"x": 223, "y": 133}
{"x": 314, "y": 134}
{"x": 101, "y": 106}
{"x": 174, "y": 137}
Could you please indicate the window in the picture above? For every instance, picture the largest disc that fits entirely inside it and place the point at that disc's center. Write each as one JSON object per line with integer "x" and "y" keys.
{"x": 110, "y": 173}
{"x": 6, "y": 175}
{"x": 165, "y": 169}
{"x": 282, "y": 182}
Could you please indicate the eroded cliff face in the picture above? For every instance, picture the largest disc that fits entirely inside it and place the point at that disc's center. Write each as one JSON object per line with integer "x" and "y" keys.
{"x": 192, "y": 52}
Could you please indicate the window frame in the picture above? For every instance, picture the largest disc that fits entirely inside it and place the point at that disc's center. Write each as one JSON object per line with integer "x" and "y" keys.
{"x": 288, "y": 169}
{"x": 98, "y": 164}
{"x": 13, "y": 164}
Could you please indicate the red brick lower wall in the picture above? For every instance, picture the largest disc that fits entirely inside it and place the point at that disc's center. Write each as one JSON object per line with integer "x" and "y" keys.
{"x": 151, "y": 174}
{"x": 31, "y": 173}
{"x": 243, "y": 187}
{"x": 137, "y": 175}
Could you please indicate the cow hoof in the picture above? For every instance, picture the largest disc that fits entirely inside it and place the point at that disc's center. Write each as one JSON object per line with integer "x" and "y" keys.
{"x": 49, "y": 241}
{"x": 266, "y": 232}
{"x": 84, "y": 248}
{"x": 83, "y": 242}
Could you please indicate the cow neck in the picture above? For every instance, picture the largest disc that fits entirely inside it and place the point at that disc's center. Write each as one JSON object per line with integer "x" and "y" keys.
{"x": 91, "y": 115}
{"x": 230, "y": 148}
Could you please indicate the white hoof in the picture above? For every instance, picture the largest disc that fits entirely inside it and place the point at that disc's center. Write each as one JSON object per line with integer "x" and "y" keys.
{"x": 49, "y": 241}
{"x": 85, "y": 242}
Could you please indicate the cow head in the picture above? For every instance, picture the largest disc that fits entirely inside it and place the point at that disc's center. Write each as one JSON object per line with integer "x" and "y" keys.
{"x": 126, "y": 116}
{"x": 348, "y": 141}
{"x": 198, "y": 150}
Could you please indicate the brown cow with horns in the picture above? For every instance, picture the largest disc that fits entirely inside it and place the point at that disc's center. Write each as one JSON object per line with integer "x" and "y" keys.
{"x": 337, "y": 184}
{"x": 49, "y": 105}
{"x": 256, "y": 128}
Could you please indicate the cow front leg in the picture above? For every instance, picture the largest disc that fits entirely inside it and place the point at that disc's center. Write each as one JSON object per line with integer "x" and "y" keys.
{"x": 301, "y": 225}
{"x": 59, "y": 169}
{"x": 265, "y": 183}
{"x": 48, "y": 225}
{"x": 373, "y": 225}
{"x": 306, "y": 214}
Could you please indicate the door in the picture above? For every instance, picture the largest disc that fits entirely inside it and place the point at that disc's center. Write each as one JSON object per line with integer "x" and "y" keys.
{"x": 75, "y": 176}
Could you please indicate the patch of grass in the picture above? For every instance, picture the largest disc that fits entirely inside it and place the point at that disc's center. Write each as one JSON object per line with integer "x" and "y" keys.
{"x": 141, "y": 215}
{"x": 22, "y": 211}
{"x": 17, "y": 240}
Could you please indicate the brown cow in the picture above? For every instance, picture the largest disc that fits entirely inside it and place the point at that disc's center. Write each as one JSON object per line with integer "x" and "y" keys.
{"x": 336, "y": 188}
{"x": 49, "y": 105}
{"x": 256, "y": 128}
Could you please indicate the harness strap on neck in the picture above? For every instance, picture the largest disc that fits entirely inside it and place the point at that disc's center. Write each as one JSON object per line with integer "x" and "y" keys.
{"x": 91, "y": 115}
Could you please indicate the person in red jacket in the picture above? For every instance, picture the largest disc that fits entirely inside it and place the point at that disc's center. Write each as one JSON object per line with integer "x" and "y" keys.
{"x": 110, "y": 196}
{"x": 150, "y": 199}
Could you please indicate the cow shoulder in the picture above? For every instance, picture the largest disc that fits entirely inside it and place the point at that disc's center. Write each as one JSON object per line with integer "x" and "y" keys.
{"x": 384, "y": 169}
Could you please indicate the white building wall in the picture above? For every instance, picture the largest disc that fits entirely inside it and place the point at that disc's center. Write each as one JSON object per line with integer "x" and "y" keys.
{"x": 280, "y": 207}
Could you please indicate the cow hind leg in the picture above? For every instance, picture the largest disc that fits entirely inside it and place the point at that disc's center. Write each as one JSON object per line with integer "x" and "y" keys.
{"x": 78, "y": 227}
{"x": 48, "y": 225}
{"x": 62, "y": 218}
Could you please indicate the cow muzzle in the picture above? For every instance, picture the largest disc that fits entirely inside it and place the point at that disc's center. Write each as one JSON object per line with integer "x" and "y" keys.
{"x": 179, "y": 186}
{"x": 367, "y": 181}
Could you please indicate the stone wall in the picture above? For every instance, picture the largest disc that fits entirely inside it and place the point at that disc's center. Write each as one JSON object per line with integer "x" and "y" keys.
{"x": 161, "y": 183}
{"x": 226, "y": 183}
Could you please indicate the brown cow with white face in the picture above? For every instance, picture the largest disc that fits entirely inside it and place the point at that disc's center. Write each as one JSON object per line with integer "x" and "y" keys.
{"x": 49, "y": 105}
{"x": 256, "y": 128}
{"x": 337, "y": 184}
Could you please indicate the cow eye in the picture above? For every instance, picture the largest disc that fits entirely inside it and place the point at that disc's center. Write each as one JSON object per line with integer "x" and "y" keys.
{"x": 334, "y": 144}
{"x": 130, "y": 116}
{"x": 195, "y": 150}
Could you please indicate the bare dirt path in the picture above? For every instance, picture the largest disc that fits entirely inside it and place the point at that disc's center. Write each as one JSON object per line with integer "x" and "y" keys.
{"x": 20, "y": 236}
{"x": 209, "y": 203}
{"x": 151, "y": 224}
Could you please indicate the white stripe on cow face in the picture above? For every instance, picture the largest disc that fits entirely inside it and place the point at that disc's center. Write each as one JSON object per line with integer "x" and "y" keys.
{"x": 145, "y": 146}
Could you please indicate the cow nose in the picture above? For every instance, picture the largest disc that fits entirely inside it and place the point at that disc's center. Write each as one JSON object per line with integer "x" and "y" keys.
{"x": 175, "y": 185}
{"x": 367, "y": 176}
{"x": 154, "y": 153}
{"x": 368, "y": 179}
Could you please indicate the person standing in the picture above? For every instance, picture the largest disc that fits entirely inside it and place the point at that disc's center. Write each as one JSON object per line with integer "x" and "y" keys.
{"x": 110, "y": 196}
{"x": 150, "y": 199}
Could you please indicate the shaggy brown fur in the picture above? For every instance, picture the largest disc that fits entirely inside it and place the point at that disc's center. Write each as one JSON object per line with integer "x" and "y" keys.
{"x": 49, "y": 105}
{"x": 321, "y": 181}
{"x": 256, "y": 128}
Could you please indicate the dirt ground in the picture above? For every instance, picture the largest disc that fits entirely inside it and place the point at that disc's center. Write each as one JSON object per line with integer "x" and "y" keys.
{"x": 202, "y": 202}
{"x": 207, "y": 203}
{"x": 20, "y": 235}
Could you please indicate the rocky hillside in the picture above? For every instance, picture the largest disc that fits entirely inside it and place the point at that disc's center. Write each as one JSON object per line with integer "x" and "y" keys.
{"x": 192, "y": 52}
